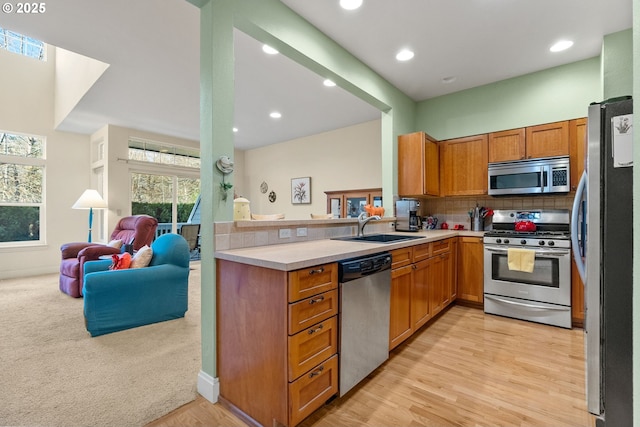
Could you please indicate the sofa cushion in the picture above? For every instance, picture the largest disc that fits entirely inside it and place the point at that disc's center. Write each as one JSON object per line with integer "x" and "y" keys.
{"x": 142, "y": 258}
{"x": 115, "y": 244}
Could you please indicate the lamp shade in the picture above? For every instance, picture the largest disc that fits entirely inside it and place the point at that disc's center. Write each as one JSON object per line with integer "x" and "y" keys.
{"x": 90, "y": 199}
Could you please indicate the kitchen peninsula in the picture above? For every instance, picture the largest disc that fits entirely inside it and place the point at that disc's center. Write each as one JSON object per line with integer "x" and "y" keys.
{"x": 278, "y": 309}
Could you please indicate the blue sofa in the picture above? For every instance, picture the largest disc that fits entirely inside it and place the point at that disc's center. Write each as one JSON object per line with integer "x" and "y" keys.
{"x": 115, "y": 300}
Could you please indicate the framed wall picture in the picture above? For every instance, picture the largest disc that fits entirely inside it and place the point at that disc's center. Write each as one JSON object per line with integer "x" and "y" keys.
{"x": 301, "y": 190}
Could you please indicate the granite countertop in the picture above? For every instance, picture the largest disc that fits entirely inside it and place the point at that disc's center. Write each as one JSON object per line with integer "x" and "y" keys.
{"x": 293, "y": 256}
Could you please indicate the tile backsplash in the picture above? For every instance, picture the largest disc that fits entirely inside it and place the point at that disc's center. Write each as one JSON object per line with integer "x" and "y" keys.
{"x": 455, "y": 210}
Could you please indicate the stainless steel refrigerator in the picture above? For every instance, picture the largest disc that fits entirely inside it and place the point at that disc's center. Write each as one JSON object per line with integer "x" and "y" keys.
{"x": 602, "y": 234}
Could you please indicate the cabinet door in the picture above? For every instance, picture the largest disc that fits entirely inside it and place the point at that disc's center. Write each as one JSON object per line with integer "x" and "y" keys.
{"x": 439, "y": 291}
{"x": 308, "y": 282}
{"x": 464, "y": 163}
{"x": 310, "y": 347}
{"x": 420, "y": 304}
{"x": 577, "y": 146}
{"x": 312, "y": 390}
{"x": 577, "y": 297}
{"x": 306, "y": 313}
{"x": 507, "y": 145}
{"x": 548, "y": 140}
{"x": 350, "y": 203}
{"x": 470, "y": 269}
{"x": 418, "y": 165}
{"x": 452, "y": 269}
{"x": 400, "y": 317}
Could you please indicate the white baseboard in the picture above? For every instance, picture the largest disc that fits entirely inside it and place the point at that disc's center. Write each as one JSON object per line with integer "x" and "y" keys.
{"x": 208, "y": 387}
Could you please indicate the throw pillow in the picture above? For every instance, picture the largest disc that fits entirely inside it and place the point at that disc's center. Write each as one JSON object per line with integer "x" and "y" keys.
{"x": 115, "y": 244}
{"x": 142, "y": 258}
{"x": 121, "y": 262}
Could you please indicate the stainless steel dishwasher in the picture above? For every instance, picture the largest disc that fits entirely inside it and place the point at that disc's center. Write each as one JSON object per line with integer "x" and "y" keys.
{"x": 365, "y": 289}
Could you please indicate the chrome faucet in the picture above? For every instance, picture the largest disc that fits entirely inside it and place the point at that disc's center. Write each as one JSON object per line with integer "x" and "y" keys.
{"x": 363, "y": 220}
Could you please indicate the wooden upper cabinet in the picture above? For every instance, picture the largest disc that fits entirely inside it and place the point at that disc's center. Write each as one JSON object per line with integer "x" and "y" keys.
{"x": 577, "y": 147}
{"x": 548, "y": 140}
{"x": 464, "y": 163}
{"x": 507, "y": 145}
{"x": 418, "y": 165}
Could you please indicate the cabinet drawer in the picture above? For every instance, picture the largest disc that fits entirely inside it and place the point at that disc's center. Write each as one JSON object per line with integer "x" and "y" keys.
{"x": 311, "y": 346}
{"x": 421, "y": 252}
{"x": 401, "y": 257}
{"x": 307, "y": 282}
{"x": 440, "y": 247}
{"x": 310, "y": 311}
{"x": 312, "y": 390}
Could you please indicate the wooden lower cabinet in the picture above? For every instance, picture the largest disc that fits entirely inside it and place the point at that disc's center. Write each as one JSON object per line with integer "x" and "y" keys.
{"x": 312, "y": 390}
{"x": 421, "y": 292}
{"x": 277, "y": 341}
{"x": 577, "y": 297}
{"x": 470, "y": 269}
{"x": 421, "y": 289}
{"x": 400, "y": 324}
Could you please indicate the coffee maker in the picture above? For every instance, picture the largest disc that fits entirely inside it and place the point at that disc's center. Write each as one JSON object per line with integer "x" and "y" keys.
{"x": 408, "y": 215}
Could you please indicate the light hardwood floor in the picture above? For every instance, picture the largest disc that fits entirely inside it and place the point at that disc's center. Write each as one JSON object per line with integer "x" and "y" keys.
{"x": 464, "y": 369}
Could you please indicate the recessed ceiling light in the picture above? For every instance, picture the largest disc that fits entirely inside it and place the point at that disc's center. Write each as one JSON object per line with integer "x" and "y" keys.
{"x": 449, "y": 79}
{"x": 404, "y": 55}
{"x": 350, "y": 4}
{"x": 561, "y": 45}
{"x": 268, "y": 49}
{"x": 275, "y": 115}
{"x": 328, "y": 83}
{"x": 235, "y": 129}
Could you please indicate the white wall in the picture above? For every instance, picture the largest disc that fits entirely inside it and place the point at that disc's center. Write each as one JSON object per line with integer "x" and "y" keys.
{"x": 27, "y": 107}
{"x": 343, "y": 159}
{"x": 117, "y": 169}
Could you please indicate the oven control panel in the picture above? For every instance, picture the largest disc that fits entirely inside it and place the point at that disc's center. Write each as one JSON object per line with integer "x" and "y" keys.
{"x": 516, "y": 241}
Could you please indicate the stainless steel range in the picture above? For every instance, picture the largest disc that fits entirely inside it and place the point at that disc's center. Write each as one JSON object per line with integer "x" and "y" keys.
{"x": 527, "y": 274}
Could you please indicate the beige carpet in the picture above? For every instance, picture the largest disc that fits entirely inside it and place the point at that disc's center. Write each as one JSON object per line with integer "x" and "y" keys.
{"x": 52, "y": 373}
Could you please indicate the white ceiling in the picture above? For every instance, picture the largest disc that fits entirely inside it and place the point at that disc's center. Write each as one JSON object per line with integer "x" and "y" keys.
{"x": 153, "y": 79}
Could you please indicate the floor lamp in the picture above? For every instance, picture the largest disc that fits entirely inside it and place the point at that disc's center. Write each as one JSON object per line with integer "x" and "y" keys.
{"x": 90, "y": 199}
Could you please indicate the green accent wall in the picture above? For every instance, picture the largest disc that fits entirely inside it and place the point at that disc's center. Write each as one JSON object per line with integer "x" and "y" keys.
{"x": 546, "y": 96}
{"x": 617, "y": 64}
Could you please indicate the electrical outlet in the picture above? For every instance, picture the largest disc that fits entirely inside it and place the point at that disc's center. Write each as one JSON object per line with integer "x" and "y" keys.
{"x": 301, "y": 232}
{"x": 284, "y": 233}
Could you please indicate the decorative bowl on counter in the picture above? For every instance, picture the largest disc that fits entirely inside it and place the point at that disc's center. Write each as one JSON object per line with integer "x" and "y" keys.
{"x": 270, "y": 217}
{"x": 321, "y": 216}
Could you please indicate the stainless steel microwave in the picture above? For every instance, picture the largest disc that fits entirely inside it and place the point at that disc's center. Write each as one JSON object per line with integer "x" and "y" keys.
{"x": 535, "y": 176}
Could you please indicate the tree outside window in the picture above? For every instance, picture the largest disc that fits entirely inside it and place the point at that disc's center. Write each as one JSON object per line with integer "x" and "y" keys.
{"x": 21, "y": 187}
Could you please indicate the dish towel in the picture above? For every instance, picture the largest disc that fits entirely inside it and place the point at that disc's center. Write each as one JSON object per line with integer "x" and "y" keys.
{"x": 521, "y": 259}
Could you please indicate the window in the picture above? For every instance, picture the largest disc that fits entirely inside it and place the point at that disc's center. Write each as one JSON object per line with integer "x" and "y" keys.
{"x": 155, "y": 152}
{"x": 22, "y": 164}
{"x": 168, "y": 198}
{"x": 21, "y": 44}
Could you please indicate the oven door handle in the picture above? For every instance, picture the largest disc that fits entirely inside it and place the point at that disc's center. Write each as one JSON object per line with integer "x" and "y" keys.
{"x": 542, "y": 307}
{"x": 539, "y": 252}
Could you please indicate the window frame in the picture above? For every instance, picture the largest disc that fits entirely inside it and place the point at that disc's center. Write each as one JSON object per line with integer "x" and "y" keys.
{"x": 37, "y": 162}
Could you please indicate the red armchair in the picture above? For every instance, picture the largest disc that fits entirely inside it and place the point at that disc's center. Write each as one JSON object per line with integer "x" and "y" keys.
{"x": 141, "y": 229}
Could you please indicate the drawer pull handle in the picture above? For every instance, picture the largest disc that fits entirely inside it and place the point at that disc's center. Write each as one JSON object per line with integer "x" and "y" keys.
{"x": 319, "y": 270}
{"x": 316, "y": 372}
{"x": 315, "y": 300}
{"x": 318, "y": 329}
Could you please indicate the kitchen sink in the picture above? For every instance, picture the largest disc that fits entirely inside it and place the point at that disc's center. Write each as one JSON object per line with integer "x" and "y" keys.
{"x": 379, "y": 238}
